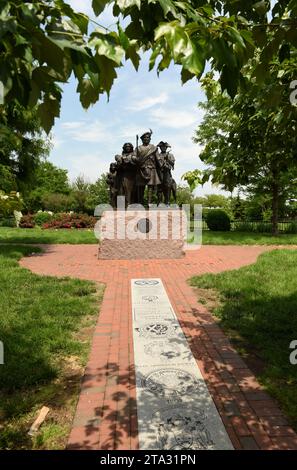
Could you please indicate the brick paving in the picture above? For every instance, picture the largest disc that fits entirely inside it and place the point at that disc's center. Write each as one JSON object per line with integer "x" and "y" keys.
{"x": 106, "y": 415}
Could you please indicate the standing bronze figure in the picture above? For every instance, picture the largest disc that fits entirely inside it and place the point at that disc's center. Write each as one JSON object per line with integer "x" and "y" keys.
{"x": 127, "y": 173}
{"x": 166, "y": 164}
{"x": 147, "y": 168}
{"x": 112, "y": 182}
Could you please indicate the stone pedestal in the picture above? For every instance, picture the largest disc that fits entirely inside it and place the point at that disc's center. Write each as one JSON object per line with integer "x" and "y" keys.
{"x": 142, "y": 234}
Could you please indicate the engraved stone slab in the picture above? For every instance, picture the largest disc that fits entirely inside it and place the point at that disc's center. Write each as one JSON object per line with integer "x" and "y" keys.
{"x": 175, "y": 409}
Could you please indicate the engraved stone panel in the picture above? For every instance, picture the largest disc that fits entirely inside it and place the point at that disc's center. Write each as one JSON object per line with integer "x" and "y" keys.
{"x": 174, "y": 407}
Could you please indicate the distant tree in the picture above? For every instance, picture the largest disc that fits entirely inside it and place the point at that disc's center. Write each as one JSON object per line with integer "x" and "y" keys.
{"x": 49, "y": 179}
{"x": 98, "y": 193}
{"x": 249, "y": 142}
{"x": 238, "y": 207}
{"x": 184, "y": 195}
{"x": 23, "y": 145}
{"x": 52, "y": 178}
{"x": 80, "y": 190}
{"x": 57, "y": 202}
{"x": 7, "y": 179}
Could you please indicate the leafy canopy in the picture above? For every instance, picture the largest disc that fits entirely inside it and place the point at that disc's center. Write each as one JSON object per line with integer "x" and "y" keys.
{"x": 43, "y": 42}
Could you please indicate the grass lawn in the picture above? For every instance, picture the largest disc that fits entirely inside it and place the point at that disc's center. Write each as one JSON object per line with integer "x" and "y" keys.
{"x": 76, "y": 236}
{"x": 242, "y": 238}
{"x": 46, "y": 325}
{"x": 257, "y": 308}
{"x": 38, "y": 235}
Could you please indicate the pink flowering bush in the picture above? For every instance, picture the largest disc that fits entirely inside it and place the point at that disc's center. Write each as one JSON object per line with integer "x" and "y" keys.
{"x": 64, "y": 220}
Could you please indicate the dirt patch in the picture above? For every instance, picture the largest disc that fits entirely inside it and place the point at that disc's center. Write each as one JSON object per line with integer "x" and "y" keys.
{"x": 208, "y": 297}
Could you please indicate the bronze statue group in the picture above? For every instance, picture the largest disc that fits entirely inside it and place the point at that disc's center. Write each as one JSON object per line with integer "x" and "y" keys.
{"x": 145, "y": 166}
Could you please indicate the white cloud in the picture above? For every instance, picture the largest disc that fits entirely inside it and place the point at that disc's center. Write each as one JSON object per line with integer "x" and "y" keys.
{"x": 72, "y": 124}
{"x": 149, "y": 102}
{"x": 89, "y": 165}
{"x": 83, "y": 6}
{"x": 174, "y": 118}
{"x": 87, "y": 131}
{"x": 56, "y": 142}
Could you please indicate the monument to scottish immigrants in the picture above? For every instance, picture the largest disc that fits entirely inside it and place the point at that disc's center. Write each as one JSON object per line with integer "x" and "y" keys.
{"x": 131, "y": 230}
{"x": 146, "y": 166}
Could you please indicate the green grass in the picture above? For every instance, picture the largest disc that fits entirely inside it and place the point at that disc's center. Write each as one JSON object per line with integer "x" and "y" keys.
{"x": 45, "y": 326}
{"x": 77, "y": 236}
{"x": 257, "y": 307}
{"x": 49, "y": 236}
{"x": 242, "y": 238}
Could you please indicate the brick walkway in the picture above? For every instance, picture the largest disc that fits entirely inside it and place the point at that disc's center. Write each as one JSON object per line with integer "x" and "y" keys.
{"x": 106, "y": 412}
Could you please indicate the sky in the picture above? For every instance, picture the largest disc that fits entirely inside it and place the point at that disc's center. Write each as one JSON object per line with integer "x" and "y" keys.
{"x": 85, "y": 142}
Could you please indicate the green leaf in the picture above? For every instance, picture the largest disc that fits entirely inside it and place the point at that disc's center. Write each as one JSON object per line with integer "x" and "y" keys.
{"x": 156, "y": 52}
{"x": 124, "y": 4}
{"x": 229, "y": 80}
{"x": 284, "y": 53}
{"x": 260, "y": 35}
{"x": 99, "y": 5}
{"x": 131, "y": 53}
{"x": 48, "y": 111}
{"x": 88, "y": 94}
{"x": 186, "y": 75}
{"x": 248, "y": 37}
{"x": 168, "y": 7}
{"x": 105, "y": 45}
{"x": 260, "y": 72}
{"x": 124, "y": 40}
{"x": 108, "y": 73}
{"x": 176, "y": 38}
{"x": 164, "y": 63}
{"x": 261, "y": 7}
{"x": 194, "y": 60}
{"x": 35, "y": 94}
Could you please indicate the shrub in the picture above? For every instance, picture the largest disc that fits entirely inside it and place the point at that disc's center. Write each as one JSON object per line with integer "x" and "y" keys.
{"x": 8, "y": 222}
{"x": 218, "y": 220}
{"x": 57, "y": 202}
{"x": 291, "y": 228}
{"x": 71, "y": 221}
{"x": 27, "y": 221}
{"x": 42, "y": 217}
{"x": 9, "y": 203}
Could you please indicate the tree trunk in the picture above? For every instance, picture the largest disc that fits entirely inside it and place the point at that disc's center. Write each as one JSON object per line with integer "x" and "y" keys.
{"x": 275, "y": 203}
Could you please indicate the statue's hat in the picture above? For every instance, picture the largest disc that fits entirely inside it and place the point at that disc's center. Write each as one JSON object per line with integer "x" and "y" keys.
{"x": 163, "y": 144}
{"x": 146, "y": 133}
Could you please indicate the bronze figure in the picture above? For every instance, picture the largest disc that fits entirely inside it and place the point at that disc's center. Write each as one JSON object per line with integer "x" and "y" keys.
{"x": 147, "y": 168}
{"x": 166, "y": 164}
{"x": 112, "y": 183}
{"x": 126, "y": 165}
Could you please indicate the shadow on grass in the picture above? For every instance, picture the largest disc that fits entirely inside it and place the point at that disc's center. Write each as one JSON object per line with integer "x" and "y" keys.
{"x": 40, "y": 318}
{"x": 257, "y": 306}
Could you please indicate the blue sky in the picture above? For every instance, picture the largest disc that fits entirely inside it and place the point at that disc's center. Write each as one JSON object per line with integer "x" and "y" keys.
{"x": 85, "y": 142}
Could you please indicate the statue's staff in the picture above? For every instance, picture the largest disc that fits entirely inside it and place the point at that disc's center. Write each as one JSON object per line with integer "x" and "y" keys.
{"x": 137, "y": 143}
